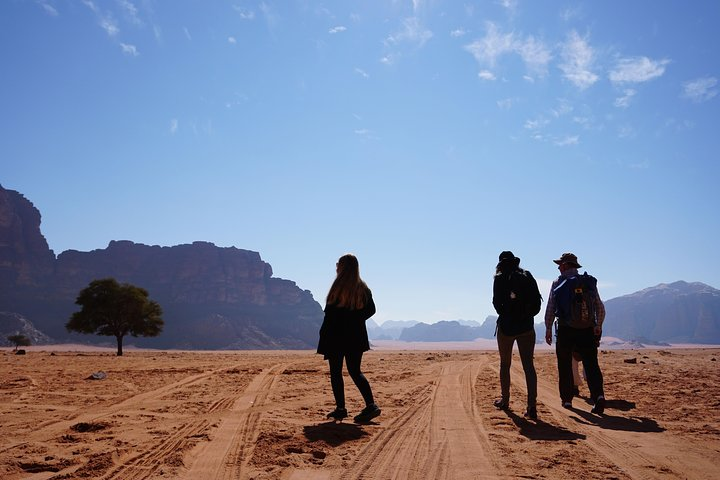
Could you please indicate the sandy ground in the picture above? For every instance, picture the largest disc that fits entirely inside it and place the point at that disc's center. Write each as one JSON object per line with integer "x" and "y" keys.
{"x": 261, "y": 415}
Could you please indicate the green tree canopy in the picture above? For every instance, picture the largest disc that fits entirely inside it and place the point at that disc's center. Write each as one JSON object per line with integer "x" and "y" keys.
{"x": 114, "y": 309}
{"x": 19, "y": 340}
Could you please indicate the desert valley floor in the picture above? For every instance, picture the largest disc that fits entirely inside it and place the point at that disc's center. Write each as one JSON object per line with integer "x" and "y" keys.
{"x": 261, "y": 415}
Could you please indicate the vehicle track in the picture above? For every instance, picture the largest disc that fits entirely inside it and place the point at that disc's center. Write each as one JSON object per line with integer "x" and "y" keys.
{"x": 439, "y": 430}
{"x": 227, "y": 455}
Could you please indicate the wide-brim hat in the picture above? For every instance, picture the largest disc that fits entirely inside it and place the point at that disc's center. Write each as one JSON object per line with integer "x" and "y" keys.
{"x": 569, "y": 258}
{"x": 507, "y": 258}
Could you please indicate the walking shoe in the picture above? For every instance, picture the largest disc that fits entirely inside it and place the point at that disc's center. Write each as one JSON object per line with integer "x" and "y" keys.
{"x": 337, "y": 414}
{"x": 567, "y": 405}
{"x": 367, "y": 414}
{"x": 501, "y": 404}
{"x": 576, "y": 391}
{"x": 531, "y": 413}
{"x": 599, "y": 406}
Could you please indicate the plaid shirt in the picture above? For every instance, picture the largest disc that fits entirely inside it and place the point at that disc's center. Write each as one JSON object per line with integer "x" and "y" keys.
{"x": 550, "y": 308}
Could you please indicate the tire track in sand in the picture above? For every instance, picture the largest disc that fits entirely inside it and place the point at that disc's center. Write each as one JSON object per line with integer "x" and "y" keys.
{"x": 440, "y": 436}
{"x": 226, "y": 456}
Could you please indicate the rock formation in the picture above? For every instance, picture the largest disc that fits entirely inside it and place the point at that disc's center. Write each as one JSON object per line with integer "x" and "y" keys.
{"x": 212, "y": 297}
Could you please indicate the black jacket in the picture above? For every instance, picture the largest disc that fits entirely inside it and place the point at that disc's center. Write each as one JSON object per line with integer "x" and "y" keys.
{"x": 513, "y": 318}
{"x": 343, "y": 330}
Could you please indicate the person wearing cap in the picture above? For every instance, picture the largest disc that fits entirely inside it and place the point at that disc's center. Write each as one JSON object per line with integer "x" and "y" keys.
{"x": 583, "y": 340}
{"x": 515, "y": 292}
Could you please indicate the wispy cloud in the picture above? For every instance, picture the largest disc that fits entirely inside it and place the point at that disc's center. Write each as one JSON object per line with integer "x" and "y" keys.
{"x": 232, "y": 40}
{"x": 624, "y": 101}
{"x": 495, "y": 44}
{"x": 701, "y": 89}
{"x": 130, "y": 50}
{"x": 458, "y": 32}
{"x": 637, "y": 70}
{"x": 187, "y": 33}
{"x": 337, "y": 29}
{"x": 173, "y": 126}
{"x": 506, "y": 103}
{"x": 510, "y": 5}
{"x": 578, "y": 59}
{"x": 536, "y": 124}
{"x": 389, "y": 59}
{"x": 567, "y": 140}
{"x": 244, "y": 13}
{"x": 563, "y": 108}
{"x": 361, "y": 72}
{"x": 412, "y": 31}
{"x": 131, "y": 11}
{"x": 486, "y": 75}
{"x": 49, "y": 9}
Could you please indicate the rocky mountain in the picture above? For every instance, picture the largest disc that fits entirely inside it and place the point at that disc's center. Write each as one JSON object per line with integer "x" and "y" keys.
{"x": 212, "y": 297}
{"x": 678, "y": 312}
{"x": 13, "y": 324}
{"x": 449, "y": 331}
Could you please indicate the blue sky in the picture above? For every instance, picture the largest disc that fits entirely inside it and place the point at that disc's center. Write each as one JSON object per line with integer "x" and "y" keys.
{"x": 423, "y": 136}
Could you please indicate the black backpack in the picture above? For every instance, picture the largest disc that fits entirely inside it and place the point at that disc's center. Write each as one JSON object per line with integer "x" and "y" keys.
{"x": 575, "y": 299}
{"x": 525, "y": 288}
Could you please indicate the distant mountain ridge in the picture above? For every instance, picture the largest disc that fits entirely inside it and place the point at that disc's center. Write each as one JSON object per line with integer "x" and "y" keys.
{"x": 678, "y": 312}
{"x": 212, "y": 297}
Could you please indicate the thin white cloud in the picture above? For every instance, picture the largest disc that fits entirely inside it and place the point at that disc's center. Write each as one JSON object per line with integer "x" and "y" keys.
{"x": 412, "y": 32}
{"x": 486, "y": 75}
{"x": 362, "y": 131}
{"x": 624, "y": 101}
{"x": 91, "y": 5}
{"x": 495, "y": 44}
{"x": 130, "y": 50}
{"x": 536, "y": 124}
{"x": 578, "y": 59}
{"x": 232, "y": 40}
{"x": 337, "y": 29}
{"x": 131, "y": 11}
{"x": 567, "y": 140}
{"x": 564, "y": 107}
{"x": 701, "y": 89}
{"x": 510, "y": 5}
{"x": 535, "y": 54}
{"x": 388, "y": 59}
{"x": 458, "y": 32}
{"x": 244, "y": 13}
{"x": 173, "y": 126}
{"x": 506, "y": 103}
{"x": 49, "y": 9}
{"x": 361, "y": 72}
{"x": 187, "y": 33}
{"x": 626, "y": 131}
{"x": 528, "y": 79}
{"x": 637, "y": 70}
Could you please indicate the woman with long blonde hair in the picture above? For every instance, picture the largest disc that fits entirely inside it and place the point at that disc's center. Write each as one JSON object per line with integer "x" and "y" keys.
{"x": 343, "y": 336}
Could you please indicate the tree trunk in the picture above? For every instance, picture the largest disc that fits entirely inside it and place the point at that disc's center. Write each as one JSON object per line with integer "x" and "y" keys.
{"x": 119, "y": 340}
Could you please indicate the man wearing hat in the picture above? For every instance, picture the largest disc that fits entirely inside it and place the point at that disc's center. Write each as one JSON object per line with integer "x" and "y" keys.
{"x": 517, "y": 300}
{"x": 575, "y": 302}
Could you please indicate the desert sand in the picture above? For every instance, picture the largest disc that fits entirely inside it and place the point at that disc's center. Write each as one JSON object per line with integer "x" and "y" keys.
{"x": 261, "y": 415}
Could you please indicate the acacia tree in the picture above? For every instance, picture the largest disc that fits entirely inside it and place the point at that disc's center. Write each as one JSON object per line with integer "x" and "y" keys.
{"x": 114, "y": 309}
{"x": 19, "y": 340}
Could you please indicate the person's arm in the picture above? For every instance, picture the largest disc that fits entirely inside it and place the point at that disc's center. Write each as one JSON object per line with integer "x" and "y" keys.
{"x": 550, "y": 315}
{"x": 599, "y": 314}
{"x": 369, "y": 309}
{"x": 497, "y": 300}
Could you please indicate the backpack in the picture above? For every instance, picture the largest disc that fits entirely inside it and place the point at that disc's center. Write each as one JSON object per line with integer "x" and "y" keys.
{"x": 575, "y": 299}
{"x": 525, "y": 288}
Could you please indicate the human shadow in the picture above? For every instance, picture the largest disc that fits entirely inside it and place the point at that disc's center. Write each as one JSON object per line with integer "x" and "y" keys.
{"x": 622, "y": 405}
{"x": 334, "y": 433}
{"x": 541, "y": 430}
{"x": 613, "y": 422}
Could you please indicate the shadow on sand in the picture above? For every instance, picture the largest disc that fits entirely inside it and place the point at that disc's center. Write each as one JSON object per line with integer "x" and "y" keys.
{"x": 540, "y": 430}
{"x": 612, "y": 422}
{"x": 333, "y": 433}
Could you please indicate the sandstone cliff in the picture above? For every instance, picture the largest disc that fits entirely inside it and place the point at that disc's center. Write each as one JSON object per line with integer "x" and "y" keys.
{"x": 212, "y": 297}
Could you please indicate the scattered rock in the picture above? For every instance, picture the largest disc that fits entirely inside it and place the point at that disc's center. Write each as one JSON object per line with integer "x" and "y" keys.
{"x": 630, "y": 360}
{"x": 97, "y": 376}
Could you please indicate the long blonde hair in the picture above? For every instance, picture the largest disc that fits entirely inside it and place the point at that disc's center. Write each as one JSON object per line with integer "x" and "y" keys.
{"x": 348, "y": 290}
